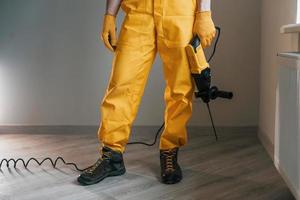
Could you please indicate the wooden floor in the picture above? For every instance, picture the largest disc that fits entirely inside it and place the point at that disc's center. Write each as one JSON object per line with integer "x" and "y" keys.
{"x": 235, "y": 167}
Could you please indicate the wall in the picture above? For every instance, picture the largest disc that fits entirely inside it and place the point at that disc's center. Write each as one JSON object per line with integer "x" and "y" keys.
{"x": 275, "y": 13}
{"x": 54, "y": 70}
{"x": 298, "y": 13}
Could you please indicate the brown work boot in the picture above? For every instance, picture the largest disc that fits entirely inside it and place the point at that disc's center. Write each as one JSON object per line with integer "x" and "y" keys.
{"x": 110, "y": 164}
{"x": 170, "y": 169}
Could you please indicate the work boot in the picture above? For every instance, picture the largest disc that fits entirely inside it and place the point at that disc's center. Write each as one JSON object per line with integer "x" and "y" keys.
{"x": 110, "y": 164}
{"x": 170, "y": 169}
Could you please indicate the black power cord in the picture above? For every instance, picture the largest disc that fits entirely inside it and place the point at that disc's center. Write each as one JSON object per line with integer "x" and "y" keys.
{"x": 25, "y": 164}
{"x": 54, "y": 162}
{"x": 216, "y": 44}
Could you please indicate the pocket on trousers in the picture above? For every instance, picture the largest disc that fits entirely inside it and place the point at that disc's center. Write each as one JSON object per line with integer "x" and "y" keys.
{"x": 180, "y": 7}
{"x": 130, "y": 30}
{"x": 132, "y": 5}
{"x": 137, "y": 30}
{"x": 177, "y": 30}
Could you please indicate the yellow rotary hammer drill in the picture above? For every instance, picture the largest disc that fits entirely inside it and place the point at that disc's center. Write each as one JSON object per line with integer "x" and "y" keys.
{"x": 200, "y": 72}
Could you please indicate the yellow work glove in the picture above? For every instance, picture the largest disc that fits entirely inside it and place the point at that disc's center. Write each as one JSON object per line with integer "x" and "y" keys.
{"x": 204, "y": 27}
{"x": 109, "y": 32}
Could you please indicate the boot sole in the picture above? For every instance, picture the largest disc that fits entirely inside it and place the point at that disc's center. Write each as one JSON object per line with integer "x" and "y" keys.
{"x": 85, "y": 182}
{"x": 168, "y": 182}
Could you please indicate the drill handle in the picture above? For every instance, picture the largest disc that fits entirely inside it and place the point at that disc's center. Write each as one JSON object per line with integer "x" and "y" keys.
{"x": 213, "y": 93}
{"x": 195, "y": 42}
{"x": 224, "y": 94}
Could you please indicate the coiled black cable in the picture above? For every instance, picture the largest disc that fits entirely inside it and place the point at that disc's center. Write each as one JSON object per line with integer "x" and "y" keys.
{"x": 25, "y": 164}
{"x": 54, "y": 162}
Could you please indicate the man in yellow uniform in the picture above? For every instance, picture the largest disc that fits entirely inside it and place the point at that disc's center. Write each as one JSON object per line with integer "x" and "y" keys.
{"x": 150, "y": 26}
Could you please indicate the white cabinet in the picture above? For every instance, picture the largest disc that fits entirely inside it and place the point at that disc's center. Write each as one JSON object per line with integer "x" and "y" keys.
{"x": 287, "y": 136}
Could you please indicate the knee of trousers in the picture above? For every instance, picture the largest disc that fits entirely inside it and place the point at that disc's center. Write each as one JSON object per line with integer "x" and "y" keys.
{"x": 120, "y": 103}
{"x": 118, "y": 111}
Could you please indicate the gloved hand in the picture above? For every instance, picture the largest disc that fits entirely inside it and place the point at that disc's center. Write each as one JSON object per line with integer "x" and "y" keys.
{"x": 109, "y": 32}
{"x": 204, "y": 27}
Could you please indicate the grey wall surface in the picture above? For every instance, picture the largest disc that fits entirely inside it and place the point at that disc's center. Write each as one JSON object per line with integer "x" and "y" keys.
{"x": 275, "y": 13}
{"x": 54, "y": 70}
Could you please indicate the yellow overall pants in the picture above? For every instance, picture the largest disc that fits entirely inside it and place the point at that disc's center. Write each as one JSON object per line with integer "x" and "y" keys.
{"x": 150, "y": 26}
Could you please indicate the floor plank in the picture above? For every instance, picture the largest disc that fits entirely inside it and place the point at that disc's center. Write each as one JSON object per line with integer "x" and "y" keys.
{"x": 235, "y": 167}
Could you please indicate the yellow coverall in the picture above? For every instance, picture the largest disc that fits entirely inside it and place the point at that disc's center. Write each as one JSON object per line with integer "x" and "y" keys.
{"x": 150, "y": 26}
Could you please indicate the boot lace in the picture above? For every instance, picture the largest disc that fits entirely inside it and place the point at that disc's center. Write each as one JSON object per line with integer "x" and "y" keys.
{"x": 104, "y": 156}
{"x": 169, "y": 159}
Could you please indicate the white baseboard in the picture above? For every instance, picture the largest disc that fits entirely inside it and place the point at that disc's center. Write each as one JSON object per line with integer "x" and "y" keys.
{"x": 295, "y": 191}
